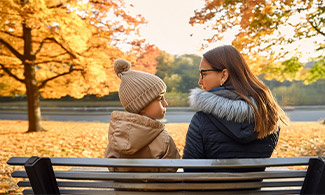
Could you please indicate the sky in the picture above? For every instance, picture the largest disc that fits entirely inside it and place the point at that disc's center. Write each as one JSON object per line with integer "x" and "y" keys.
{"x": 168, "y": 27}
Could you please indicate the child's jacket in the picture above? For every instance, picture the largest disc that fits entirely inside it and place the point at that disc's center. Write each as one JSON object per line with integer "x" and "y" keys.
{"x": 135, "y": 136}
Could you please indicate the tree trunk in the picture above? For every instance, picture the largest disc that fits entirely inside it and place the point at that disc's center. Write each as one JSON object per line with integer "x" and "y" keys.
{"x": 33, "y": 102}
{"x": 33, "y": 97}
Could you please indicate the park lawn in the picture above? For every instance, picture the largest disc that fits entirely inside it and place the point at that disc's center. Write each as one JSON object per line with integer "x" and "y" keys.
{"x": 89, "y": 139}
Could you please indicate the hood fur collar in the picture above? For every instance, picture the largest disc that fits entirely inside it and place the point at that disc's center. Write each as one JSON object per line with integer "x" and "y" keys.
{"x": 221, "y": 107}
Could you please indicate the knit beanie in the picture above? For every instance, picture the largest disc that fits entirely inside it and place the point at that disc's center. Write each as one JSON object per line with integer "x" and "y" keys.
{"x": 137, "y": 88}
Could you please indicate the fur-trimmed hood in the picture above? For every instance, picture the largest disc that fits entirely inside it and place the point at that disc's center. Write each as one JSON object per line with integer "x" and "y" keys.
{"x": 223, "y": 104}
{"x": 227, "y": 111}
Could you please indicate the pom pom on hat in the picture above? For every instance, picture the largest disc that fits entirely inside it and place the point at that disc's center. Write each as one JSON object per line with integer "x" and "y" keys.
{"x": 121, "y": 65}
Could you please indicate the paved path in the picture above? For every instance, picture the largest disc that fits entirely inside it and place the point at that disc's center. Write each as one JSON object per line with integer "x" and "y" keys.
{"x": 174, "y": 115}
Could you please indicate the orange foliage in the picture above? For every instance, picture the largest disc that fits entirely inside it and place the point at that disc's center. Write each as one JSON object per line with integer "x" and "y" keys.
{"x": 270, "y": 28}
{"x": 146, "y": 60}
{"x": 85, "y": 139}
{"x": 301, "y": 139}
{"x": 72, "y": 46}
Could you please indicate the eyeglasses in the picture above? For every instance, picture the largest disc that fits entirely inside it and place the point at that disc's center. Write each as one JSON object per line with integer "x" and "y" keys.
{"x": 207, "y": 70}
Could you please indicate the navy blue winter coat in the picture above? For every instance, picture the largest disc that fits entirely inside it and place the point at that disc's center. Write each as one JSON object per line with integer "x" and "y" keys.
{"x": 223, "y": 128}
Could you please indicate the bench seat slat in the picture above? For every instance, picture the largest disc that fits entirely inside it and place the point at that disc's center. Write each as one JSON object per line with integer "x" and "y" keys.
{"x": 180, "y": 163}
{"x": 257, "y": 192}
{"x": 172, "y": 176}
{"x": 163, "y": 186}
{"x": 282, "y": 183}
{"x": 170, "y": 186}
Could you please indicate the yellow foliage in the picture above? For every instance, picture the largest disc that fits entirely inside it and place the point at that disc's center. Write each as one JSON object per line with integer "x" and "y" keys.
{"x": 73, "y": 45}
{"x": 10, "y": 86}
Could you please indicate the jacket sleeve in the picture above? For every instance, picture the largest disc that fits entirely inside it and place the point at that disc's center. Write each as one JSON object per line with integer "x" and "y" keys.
{"x": 194, "y": 148}
{"x": 171, "y": 149}
{"x": 171, "y": 152}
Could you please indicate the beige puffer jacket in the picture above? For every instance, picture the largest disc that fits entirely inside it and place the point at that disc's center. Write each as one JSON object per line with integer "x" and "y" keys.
{"x": 135, "y": 136}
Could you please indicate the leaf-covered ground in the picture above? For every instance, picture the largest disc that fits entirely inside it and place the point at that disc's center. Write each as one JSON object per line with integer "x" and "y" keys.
{"x": 84, "y": 139}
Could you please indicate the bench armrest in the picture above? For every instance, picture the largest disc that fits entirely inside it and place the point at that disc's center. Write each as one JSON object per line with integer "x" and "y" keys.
{"x": 41, "y": 175}
{"x": 315, "y": 177}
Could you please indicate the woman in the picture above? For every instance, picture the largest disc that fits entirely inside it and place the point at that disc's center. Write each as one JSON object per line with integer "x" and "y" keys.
{"x": 237, "y": 116}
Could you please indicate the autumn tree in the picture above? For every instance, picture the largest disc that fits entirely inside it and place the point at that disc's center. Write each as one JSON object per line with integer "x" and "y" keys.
{"x": 67, "y": 47}
{"x": 266, "y": 28}
{"x": 146, "y": 59}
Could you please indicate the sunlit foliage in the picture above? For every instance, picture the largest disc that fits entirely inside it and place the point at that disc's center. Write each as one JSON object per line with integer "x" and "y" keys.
{"x": 73, "y": 45}
{"x": 265, "y": 29}
{"x": 66, "y": 47}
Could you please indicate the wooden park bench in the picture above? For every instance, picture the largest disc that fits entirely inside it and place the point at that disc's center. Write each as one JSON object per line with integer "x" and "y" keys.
{"x": 91, "y": 176}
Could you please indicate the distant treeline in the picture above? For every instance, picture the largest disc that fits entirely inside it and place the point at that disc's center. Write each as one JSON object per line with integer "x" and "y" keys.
{"x": 287, "y": 94}
{"x": 181, "y": 74}
{"x": 296, "y": 93}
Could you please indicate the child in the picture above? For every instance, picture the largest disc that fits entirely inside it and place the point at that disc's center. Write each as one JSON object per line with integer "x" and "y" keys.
{"x": 136, "y": 133}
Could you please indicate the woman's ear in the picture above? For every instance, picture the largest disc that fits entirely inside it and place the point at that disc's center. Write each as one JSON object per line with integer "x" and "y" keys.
{"x": 225, "y": 76}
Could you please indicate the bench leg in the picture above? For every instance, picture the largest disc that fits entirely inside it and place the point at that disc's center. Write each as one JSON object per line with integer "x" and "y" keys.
{"x": 41, "y": 175}
{"x": 314, "y": 182}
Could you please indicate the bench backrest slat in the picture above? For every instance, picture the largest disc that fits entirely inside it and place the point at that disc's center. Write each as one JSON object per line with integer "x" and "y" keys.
{"x": 99, "y": 192}
{"x": 172, "y": 176}
{"x": 165, "y": 186}
{"x": 179, "y": 163}
{"x": 175, "y": 186}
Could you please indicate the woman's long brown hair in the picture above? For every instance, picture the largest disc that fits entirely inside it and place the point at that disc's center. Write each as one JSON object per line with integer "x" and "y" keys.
{"x": 267, "y": 113}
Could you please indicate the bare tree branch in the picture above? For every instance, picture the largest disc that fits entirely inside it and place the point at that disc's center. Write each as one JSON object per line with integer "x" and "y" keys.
{"x": 316, "y": 28}
{"x": 89, "y": 48}
{"x": 57, "y": 76}
{"x": 55, "y": 41}
{"x": 99, "y": 2}
{"x": 41, "y": 45}
{"x": 54, "y": 56}
{"x": 48, "y": 61}
{"x": 13, "y": 50}
{"x": 60, "y": 5}
{"x": 9, "y": 13}
{"x": 11, "y": 74}
{"x": 56, "y": 6}
{"x": 8, "y": 33}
